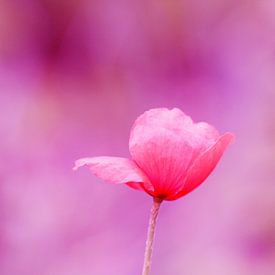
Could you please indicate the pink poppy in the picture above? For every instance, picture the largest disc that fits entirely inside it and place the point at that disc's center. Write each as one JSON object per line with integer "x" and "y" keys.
{"x": 171, "y": 155}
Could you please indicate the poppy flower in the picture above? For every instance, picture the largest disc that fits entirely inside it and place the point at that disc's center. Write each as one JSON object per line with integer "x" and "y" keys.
{"x": 170, "y": 155}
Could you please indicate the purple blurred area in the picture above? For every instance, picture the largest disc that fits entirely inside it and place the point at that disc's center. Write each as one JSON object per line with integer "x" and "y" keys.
{"x": 74, "y": 75}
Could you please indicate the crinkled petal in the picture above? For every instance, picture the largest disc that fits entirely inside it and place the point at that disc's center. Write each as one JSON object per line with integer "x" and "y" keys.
{"x": 199, "y": 136}
{"x": 164, "y": 143}
{"x": 204, "y": 165}
{"x": 164, "y": 159}
{"x": 114, "y": 170}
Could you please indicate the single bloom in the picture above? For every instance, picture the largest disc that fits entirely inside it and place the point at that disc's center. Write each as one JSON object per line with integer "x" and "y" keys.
{"x": 171, "y": 155}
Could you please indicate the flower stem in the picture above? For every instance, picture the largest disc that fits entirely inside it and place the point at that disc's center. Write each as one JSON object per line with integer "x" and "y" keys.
{"x": 150, "y": 236}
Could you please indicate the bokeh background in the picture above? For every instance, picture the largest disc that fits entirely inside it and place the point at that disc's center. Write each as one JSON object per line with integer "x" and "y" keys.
{"x": 74, "y": 75}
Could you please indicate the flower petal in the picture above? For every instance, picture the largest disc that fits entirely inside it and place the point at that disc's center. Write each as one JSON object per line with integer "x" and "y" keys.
{"x": 198, "y": 135}
{"x": 164, "y": 143}
{"x": 114, "y": 170}
{"x": 204, "y": 165}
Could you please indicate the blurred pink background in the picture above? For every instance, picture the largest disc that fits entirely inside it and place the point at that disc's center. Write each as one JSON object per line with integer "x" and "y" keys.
{"x": 74, "y": 75}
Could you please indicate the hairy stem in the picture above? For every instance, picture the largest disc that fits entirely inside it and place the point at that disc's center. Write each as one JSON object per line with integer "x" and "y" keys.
{"x": 150, "y": 236}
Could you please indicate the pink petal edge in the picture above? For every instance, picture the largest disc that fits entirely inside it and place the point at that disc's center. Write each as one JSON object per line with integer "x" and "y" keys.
{"x": 204, "y": 165}
{"x": 113, "y": 169}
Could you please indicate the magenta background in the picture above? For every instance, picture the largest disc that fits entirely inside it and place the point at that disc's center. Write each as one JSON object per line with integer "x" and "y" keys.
{"x": 74, "y": 75}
